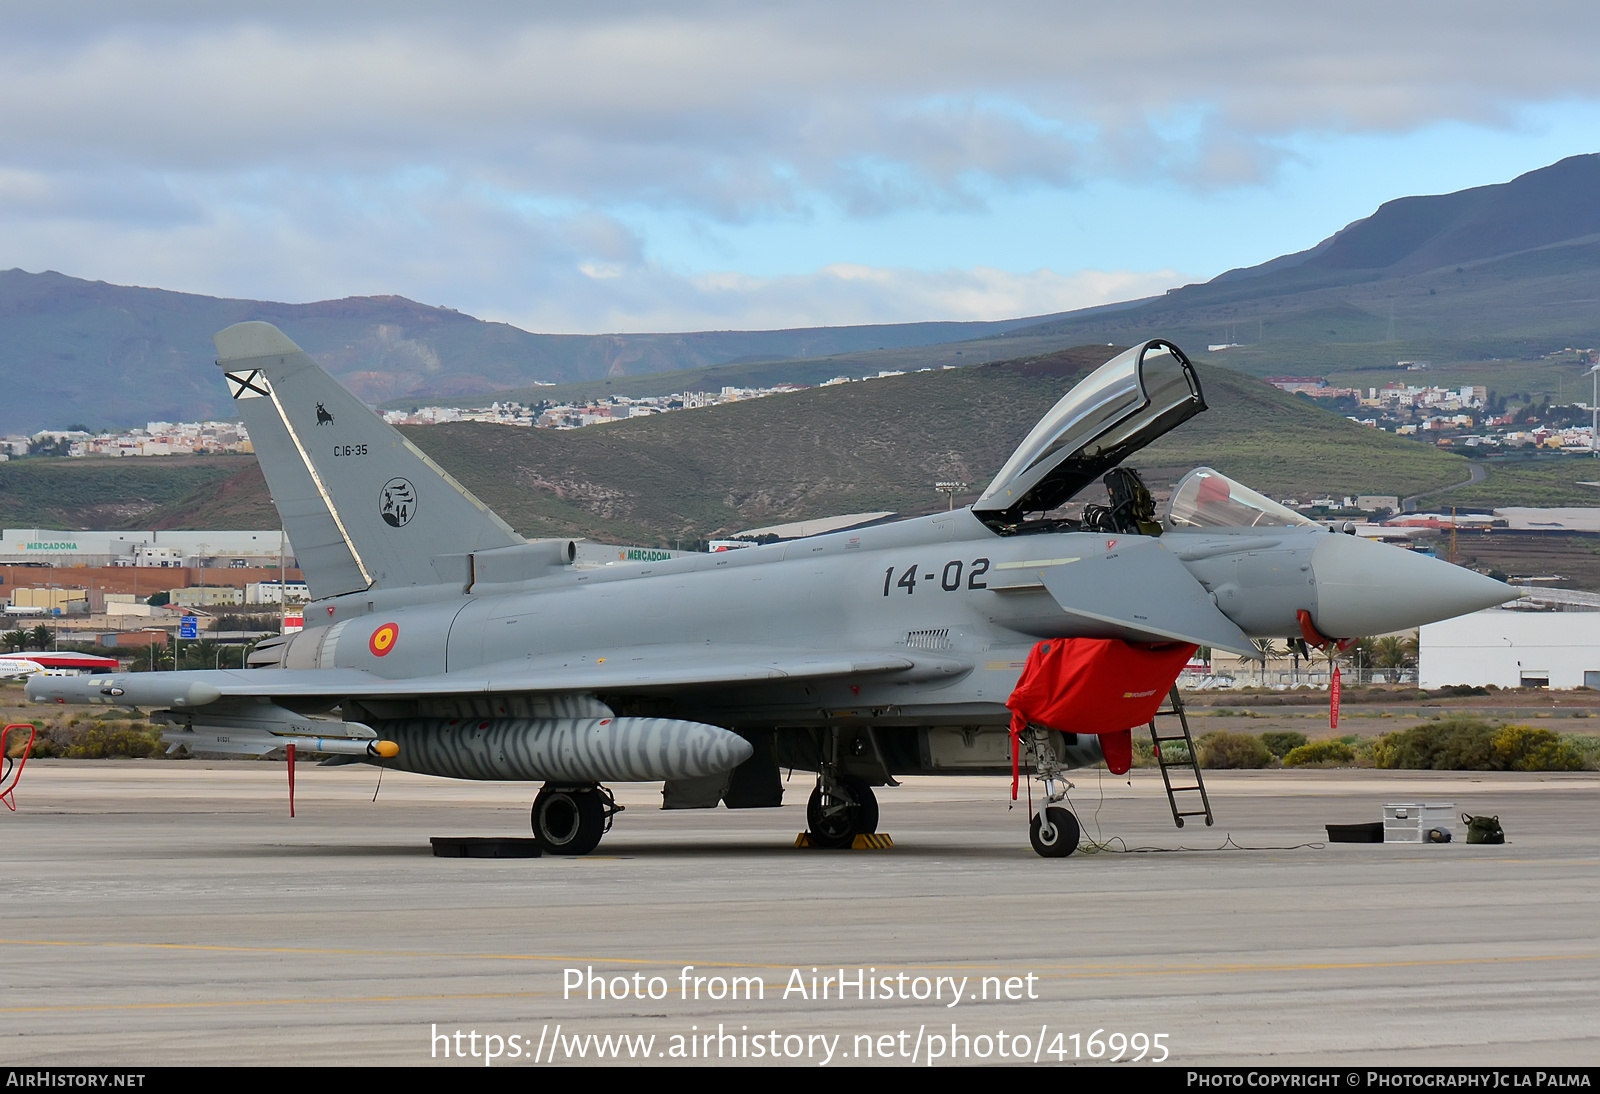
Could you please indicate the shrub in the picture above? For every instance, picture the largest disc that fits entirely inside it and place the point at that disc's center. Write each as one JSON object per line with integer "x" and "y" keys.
{"x": 1223, "y": 749}
{"x": 1175, "y": 752}
{"x": 1588, "y": 747}
{"x": 1468, "y": 744}
{"x": 101, "y": 742}
{"x": 1449, "y": 744}
{"x": 1321, "y": 752}
{"x": 17, "y": 740}
{"x": 1144, "y": 752}
{"x": 1281, "y": 742}
{"x": 1365, "y": 749}
{"x": 1523, "y": 748}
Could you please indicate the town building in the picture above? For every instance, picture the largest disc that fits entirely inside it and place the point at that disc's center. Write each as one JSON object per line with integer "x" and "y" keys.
{"x": 225, "y": 549}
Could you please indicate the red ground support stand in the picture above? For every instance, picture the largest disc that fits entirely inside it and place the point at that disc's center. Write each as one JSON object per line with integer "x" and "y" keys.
{"x": 12, "y": 774}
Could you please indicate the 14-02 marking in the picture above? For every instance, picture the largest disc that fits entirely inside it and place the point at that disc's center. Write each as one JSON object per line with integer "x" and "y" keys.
{"x": 949, "y": 578}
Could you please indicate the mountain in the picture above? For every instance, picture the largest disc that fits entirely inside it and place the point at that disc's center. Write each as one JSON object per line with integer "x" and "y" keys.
{"x": 1487, "y": 276}
{"x": 1551, "y": 206}
{"x": 1484, "y": 283}
{"x": 74, "y": 351}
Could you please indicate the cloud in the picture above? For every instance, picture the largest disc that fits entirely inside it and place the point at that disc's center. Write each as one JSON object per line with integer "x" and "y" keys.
{"x": 648, "y": 298}
{"x": 848, "y": 293}
{"x": 279, "y": 237}
{"x": 486, "y": 157}
{"x": 738, "y": 109}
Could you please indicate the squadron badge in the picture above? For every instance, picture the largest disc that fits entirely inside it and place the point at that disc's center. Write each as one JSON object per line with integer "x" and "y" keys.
{"x": 398, "y": 502}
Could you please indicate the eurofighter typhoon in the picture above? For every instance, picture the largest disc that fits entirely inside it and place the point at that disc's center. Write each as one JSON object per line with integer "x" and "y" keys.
{"x": 440, "y": 641}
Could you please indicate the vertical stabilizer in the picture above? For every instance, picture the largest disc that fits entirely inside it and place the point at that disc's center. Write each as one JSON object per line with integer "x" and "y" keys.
{"x": 363, "y": 506}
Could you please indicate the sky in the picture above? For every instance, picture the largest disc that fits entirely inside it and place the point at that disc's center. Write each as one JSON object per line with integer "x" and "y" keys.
{"x": 621, "y": 167}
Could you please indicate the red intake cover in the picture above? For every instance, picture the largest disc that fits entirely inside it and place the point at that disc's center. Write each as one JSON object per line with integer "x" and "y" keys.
{"x": 1103, "y": 686}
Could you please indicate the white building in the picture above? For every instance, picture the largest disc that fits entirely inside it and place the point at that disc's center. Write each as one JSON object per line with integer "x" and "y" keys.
{"x": 164, "y": 548}
{"x": 1515, "y": 647}
{"x": 273, "y": 592}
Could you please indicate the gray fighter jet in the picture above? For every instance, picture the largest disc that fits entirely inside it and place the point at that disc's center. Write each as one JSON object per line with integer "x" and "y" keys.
{"x": 441, "y": 641}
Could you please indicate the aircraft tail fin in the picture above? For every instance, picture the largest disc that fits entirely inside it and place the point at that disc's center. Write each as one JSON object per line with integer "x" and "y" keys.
{"x": 363, "y": 506}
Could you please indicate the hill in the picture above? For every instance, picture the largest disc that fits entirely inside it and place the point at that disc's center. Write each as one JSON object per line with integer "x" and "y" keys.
{"x": 878, "y": 445}
{"x": 99, "y": 354}
{"x": 155, "y": 492}
{"x": 882, "y": 445}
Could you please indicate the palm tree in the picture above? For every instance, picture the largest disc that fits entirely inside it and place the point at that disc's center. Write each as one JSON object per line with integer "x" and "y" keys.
{"x": 41, "y": 637}
{"x": 1395, "y": 654}
{"x": 15, "y": 640}
{"x": 200, "y": 654}
{"x": 153, "y": 658}
{"x": 1269, "y": 649}
{"x": 1386, "y": 652}
{"x": 1360, "y": 655}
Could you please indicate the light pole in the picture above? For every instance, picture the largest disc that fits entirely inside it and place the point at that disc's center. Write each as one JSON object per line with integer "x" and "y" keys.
{"x": 948, "y": 489}
{"x": 1594, "y": 407}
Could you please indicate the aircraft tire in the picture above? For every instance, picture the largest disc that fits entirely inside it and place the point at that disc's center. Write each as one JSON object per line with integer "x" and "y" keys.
{"x": 568, "y": 820}
{"x": 1064, "y": 833}
{"x": 840, "y": 830}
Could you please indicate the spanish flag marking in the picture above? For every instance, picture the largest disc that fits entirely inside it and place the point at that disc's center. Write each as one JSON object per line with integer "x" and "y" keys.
{"x": 383, "y": 639}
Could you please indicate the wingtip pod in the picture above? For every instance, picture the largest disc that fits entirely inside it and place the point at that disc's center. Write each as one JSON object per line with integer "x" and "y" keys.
{"x": 144, "y": 689}
{"x": 243, "y": 341}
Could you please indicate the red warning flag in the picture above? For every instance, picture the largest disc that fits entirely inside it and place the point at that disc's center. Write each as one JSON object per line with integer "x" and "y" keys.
{"x": 1103, "y": 686}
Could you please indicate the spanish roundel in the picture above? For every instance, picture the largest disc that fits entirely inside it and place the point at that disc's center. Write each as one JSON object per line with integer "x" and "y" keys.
{"x": 383, "y": 639}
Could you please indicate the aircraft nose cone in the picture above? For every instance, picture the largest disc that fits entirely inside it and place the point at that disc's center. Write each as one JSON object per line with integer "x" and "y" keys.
{"x": 1366, "y": 588}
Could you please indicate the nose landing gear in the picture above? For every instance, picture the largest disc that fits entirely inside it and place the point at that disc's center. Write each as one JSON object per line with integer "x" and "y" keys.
{"x": 1054, "y": 832}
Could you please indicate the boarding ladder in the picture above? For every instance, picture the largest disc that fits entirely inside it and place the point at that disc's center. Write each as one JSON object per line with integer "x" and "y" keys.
{"x": 1185, "y": 765}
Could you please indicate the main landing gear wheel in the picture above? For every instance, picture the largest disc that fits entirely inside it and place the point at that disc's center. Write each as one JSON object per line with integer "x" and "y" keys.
{"x": 569, "y": 820}
{"x": 1054, "y": 833}
{"x": 835, "y": 820}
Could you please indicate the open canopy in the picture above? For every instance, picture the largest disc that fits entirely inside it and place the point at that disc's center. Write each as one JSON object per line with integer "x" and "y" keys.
{"x": 1112, "y": 413}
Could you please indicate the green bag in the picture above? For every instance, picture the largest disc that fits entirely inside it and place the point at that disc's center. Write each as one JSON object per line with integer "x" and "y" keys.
{"x": 1483, "y": 829}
